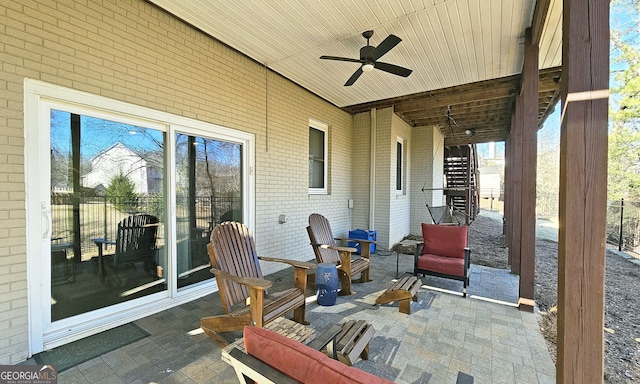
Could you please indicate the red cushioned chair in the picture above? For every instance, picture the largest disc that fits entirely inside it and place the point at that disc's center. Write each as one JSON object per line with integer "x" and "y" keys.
{"x": 444, "y": 253}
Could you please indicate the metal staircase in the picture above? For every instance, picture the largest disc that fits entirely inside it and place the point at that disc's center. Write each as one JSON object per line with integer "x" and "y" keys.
{"x": 461, "y": 175}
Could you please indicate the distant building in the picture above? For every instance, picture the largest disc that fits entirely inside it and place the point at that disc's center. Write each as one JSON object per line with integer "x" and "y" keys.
{"x": 118, "y": 159}
{"x": 490, "y": 182}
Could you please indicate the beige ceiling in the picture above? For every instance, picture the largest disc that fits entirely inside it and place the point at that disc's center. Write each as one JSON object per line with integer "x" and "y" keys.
{"x": 447, "y": 44}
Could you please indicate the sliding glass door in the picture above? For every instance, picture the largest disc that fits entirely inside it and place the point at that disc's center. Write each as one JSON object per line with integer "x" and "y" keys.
{"x": 208, "y": 192}
{"x": 108, "y": 213}
{"x": 120, "y": 204}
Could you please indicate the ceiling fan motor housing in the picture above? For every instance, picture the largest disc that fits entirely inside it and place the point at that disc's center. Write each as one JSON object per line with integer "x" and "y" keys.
{"x": 366, "y": 53}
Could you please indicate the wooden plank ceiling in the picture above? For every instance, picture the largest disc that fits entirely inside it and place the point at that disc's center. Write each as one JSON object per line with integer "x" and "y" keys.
{"x": 466, "y": 54}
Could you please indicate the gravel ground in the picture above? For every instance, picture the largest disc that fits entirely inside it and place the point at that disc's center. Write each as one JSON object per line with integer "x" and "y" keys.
{"x": 622, "y": 309}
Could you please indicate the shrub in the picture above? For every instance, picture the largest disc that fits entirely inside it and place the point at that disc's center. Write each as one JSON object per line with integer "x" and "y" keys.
{"x": 121, "y": 193}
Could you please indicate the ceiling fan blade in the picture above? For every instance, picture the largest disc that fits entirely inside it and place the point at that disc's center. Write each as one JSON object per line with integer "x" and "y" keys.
{"x": 394, "y": 69}
{"x": 353, "y": 77}
{"x": 341, "y": 59}
{"x": 386, "y": 45}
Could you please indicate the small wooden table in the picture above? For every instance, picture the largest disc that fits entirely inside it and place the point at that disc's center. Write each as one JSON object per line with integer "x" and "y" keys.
{"x": 352, "y": 342}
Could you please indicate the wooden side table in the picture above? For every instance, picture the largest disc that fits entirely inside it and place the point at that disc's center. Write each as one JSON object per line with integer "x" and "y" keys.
{"x": 352, "y": 342}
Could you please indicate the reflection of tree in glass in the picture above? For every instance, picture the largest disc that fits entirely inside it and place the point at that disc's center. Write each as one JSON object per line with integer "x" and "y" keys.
{"x": 121, "y": 193}
{"x": 97, "y": 136}
{"x": 208, "y": 171}
{"x": 222, "y": 166}
{"x": 217, "y": 166}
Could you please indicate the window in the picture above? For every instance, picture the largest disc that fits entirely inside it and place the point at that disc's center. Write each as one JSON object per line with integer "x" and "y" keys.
{"x": 399, "y": 163}
{"x": 317, "y": 158}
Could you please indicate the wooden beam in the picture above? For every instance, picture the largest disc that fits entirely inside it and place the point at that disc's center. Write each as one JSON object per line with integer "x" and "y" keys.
{"x": 508, "y": 191}
{"x": 476, "y": 106}
{"x": 529, "y": 154}
{"x": 470, "y": 92}
{"x": 477, "y": 112}
{"x": 466, "y": 121}
{"x": 583, "y": 186}
{"x": 516, "y": 178}
{"x": 539, "y": 18}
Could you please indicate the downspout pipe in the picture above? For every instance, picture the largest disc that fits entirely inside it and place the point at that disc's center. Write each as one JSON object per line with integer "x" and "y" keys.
{"x": 372, "y": 171}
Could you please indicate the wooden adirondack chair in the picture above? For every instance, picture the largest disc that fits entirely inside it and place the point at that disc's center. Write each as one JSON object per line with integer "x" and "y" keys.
{"x": 135, "y": 242}
{"x": 326, "y": 251}
{"x": 235, "y": 264}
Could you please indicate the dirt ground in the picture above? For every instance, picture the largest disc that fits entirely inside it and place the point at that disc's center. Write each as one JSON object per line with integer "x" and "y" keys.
{"x": 622, "y": 309}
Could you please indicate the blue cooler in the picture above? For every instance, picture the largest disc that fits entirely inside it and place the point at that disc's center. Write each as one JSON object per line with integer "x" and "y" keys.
{"x": 362, "y": 234}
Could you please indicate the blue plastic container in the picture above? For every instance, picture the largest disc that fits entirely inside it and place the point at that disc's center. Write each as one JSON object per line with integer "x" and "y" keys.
{"x": 363, "y": 234}
{"x": 327, "y": 283}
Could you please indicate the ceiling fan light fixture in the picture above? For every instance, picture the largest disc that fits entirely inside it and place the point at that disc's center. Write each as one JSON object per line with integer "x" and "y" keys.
{"x": 368, "y": 67}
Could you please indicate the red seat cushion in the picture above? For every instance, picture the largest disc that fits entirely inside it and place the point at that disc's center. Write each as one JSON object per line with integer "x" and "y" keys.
{"x": 444, "y": 240}
{"x": 300, "y": 362}
{"x": 442, "y": 264}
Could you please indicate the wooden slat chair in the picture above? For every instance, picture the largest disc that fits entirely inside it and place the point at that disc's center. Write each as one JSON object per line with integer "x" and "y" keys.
{"x": 326, "y": 251}
{"x": 135, "y": 242}
{"x": 241, "y": 285}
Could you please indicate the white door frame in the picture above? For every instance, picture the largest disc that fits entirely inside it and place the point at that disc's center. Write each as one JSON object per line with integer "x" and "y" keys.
{"x": 39, "y": 98}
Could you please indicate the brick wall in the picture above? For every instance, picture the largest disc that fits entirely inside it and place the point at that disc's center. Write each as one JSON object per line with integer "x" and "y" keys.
{"x": 400, "y": 203}
{"x": 129, "y": 50}
{"x": 427, "y": 169}
{"x": 361, "y": 170}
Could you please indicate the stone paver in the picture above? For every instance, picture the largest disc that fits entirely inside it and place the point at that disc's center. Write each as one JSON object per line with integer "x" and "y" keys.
{"x": 444, "y": 334}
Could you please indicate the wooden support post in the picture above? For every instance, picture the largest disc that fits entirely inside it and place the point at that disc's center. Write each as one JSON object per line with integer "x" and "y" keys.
{"x": 583, "y": 185}
{"x": 508, "y": 191}
{"x": 529, "y": 113}
{"x": 516, "y": 189}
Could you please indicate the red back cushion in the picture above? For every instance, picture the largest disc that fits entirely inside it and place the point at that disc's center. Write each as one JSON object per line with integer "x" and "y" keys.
{"x": 300, "y": 362}
{"x": 444, "y": 240}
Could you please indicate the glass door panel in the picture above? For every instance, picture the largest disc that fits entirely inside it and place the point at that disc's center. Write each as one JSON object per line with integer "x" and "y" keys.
{"x": 108, "y": 213}
{"x": 208, "y": 192}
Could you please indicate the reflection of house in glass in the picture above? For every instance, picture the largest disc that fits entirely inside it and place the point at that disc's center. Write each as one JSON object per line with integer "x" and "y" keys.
{"x": 118, "y": 159}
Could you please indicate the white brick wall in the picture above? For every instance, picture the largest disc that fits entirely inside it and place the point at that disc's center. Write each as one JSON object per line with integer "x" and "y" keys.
{"x": 400, "y": 203}
{"x": 392, "y": 210}
{"x": 134, "y": 52}
{"x": 383, "y": 160}
{"x": 427, "y": 172}
{"x": 361, "y": 180}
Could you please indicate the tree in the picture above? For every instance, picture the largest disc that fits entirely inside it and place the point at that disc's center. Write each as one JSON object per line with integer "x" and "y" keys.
{"x": 121, "y": 193}
{"x": 624, "y": 163}
{"x": 624, "y": 134}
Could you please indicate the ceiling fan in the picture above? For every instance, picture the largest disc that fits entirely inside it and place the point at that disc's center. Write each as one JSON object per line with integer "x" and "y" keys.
{"x": 369, "y": 56}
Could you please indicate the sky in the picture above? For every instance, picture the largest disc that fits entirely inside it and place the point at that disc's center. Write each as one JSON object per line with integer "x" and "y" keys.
{"x": 98, "y": 135}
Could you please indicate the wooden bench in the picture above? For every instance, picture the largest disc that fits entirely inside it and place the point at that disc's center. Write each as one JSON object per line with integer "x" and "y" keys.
{"x": 352, "y": 342}
{"x": 401, "y": 290}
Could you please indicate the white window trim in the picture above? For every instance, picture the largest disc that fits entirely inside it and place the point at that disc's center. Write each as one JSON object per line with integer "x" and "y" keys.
{"x": 39, "y": 98}
{"x": 315, "y": 124}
